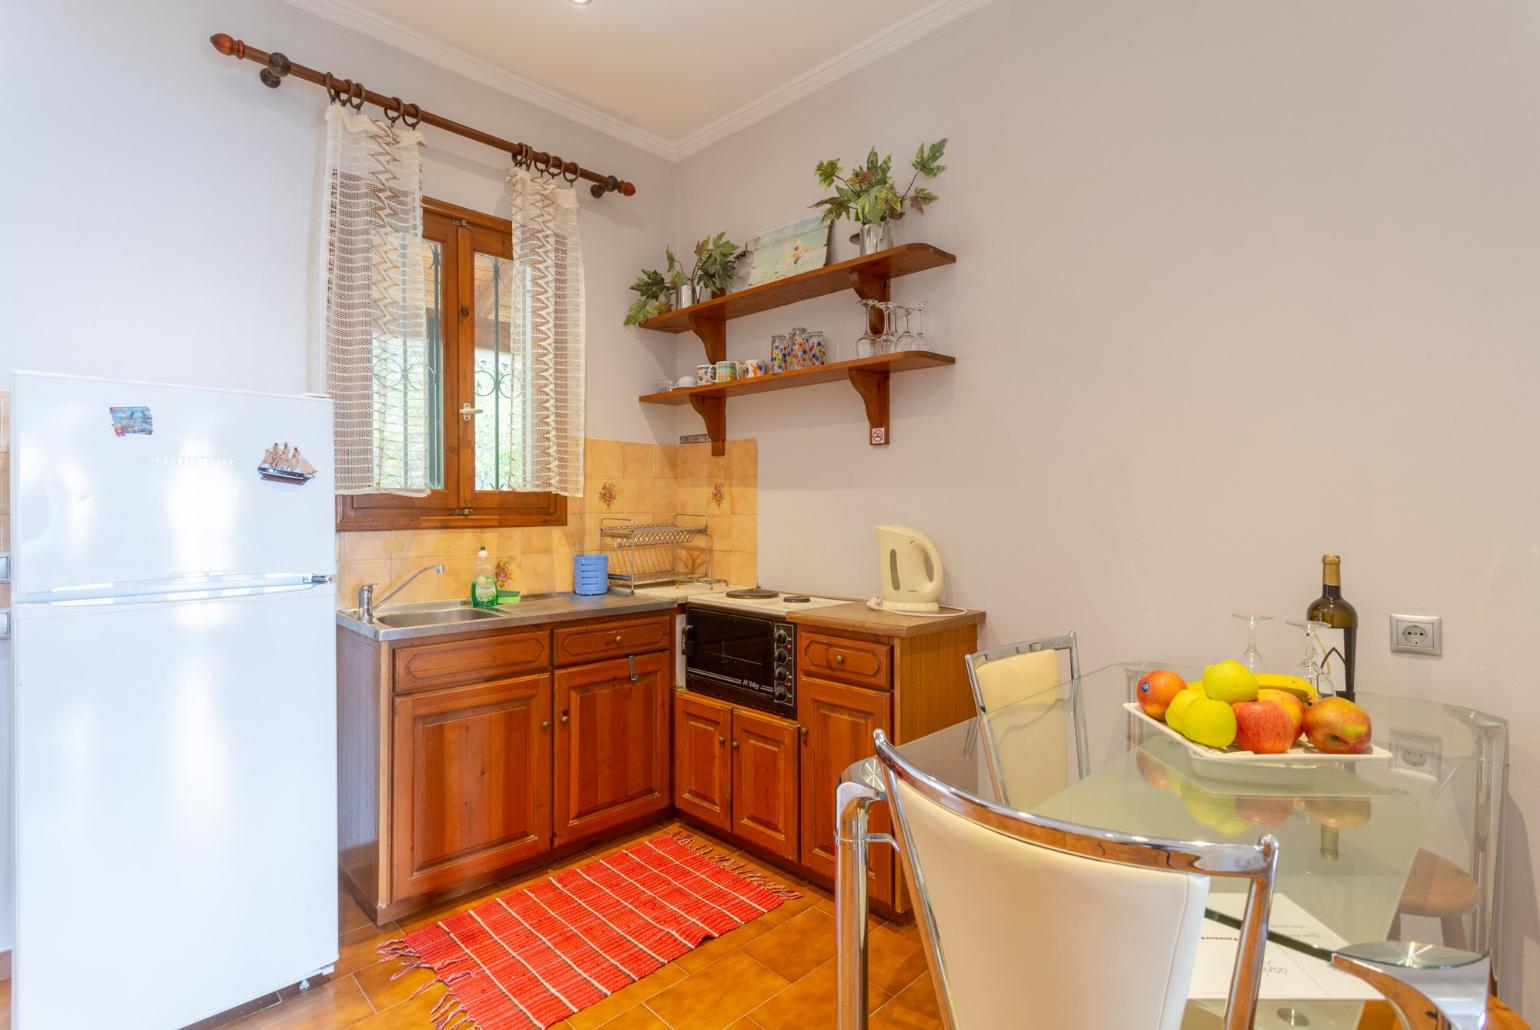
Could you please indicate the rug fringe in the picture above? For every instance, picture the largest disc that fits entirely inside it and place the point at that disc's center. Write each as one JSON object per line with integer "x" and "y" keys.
{"x": 740, "y": 868}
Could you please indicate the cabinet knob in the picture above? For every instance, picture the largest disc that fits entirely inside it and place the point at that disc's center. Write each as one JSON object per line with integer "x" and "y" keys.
{"x": 546, "y": 724}
{"x": 563, "y": 716}
{"x": 721, "y": 740}
{"x": 802, "y": 730}
{"x": 735, "y": 743}
{"x": 839, "y": 659}
{"x": 619, "y": 638}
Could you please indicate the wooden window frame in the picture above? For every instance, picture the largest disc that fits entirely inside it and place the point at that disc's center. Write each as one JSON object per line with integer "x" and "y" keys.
{"x": 461, "y": 232}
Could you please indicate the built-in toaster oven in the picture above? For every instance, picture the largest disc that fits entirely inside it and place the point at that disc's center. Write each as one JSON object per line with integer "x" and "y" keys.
{"x": 747, "y": 659}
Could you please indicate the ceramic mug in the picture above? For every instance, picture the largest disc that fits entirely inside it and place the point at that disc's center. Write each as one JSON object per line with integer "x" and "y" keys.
{"x": 727, "y": 371}
{"x": 751, "y": 368}
{"x": 685, "y": 382}
{"x": 705, "y": 375}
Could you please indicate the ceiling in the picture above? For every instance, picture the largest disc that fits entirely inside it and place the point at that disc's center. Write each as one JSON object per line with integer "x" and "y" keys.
{"x": 670, "y": 76}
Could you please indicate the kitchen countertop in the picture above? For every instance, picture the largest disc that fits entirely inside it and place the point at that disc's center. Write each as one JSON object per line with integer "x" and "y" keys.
{"x": 858, "y": 618}
{"x": 529, "y": 611}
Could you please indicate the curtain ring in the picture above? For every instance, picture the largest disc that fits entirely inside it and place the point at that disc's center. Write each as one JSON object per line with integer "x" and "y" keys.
{"x": 331, "y": 90}
{"x": 393, "y": 113}
{"x": 520, "y": 155}
{"x": 356, "y": 102}
{"x": 570, "y": 172}
{"x": 411, "y": 121}
{"x": 552, "y": 166}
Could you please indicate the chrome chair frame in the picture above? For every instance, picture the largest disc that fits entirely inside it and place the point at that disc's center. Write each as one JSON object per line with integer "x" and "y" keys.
{"x": 973, "y": 662}
{"x": 1256, "y": 863}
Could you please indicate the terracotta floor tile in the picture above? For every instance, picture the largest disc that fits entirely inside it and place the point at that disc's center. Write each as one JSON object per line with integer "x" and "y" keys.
{"x": 796, "y": 947}
{"x": 627, "y": 998}
{"x": 415, "y": 1014}
{"x": 639, "y": 1018}
{"x": 433, "y": 914}
{"x": 810, "y": 1002}
{"x": 873, "y": 921}
{"x": 709, "y": 951}
{"x": 915, "y": 1005}
{"x": 383, "y": 992}
{"x": 338, "y": 1003}
{"x": 357, "y": 949}
{"x": 896, "y": 1017}
{"x": 893, "y": 960}
{"x": 717, "y": 995}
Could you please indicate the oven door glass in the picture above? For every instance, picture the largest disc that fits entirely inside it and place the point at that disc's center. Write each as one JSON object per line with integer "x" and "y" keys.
{"x": 730, "y": 648}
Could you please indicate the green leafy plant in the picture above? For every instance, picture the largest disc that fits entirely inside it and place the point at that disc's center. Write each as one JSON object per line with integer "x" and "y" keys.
{"x": 652, "y": 289}
{"x": 868, "y": 194}
{"x": 716, "y": 263}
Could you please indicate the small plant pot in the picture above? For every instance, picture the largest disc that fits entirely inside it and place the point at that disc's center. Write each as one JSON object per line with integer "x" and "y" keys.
{"x": 686, "y": 295}
{"x": 871, "y": 238}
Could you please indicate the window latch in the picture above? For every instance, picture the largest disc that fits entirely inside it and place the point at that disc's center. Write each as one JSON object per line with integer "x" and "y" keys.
{"x": 466, "y": 411}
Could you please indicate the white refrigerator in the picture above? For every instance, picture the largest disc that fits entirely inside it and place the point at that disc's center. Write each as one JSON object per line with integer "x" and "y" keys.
{"x": 174, "y": 700}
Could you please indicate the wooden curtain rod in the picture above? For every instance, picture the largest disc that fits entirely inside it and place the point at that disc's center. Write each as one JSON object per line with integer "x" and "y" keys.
{"x": 353, "y": 93}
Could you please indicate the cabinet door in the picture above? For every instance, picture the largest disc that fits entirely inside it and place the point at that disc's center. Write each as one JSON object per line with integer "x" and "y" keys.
{"x": 764, "y": 791}
{"x": 471, "y": 788}
{"x": 837, "y": 722}
{"x": 702, "y": 726}
{"x": 611, "y": 744}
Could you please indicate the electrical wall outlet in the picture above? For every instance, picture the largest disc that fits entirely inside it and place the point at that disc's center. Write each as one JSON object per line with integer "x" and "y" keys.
{"x": 1417, "y": 634}
{"x": 1418, "y": 754}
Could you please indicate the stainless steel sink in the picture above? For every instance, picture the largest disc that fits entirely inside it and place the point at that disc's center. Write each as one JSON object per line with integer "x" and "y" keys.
{"x": 433, "y": 617}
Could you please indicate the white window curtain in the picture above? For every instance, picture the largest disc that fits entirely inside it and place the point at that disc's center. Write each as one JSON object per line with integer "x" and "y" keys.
{"x": 374, "y": 338}
{"x": 548, "y": 325}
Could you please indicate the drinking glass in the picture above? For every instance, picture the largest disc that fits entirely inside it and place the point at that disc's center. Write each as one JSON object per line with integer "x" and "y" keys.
{"x": 866, "y": 346}
{"x": 1251, "y": 658}
{"x": 905, "y": 339}
{"x": 889, "y": 339}
{"x": 1309, "y": 668}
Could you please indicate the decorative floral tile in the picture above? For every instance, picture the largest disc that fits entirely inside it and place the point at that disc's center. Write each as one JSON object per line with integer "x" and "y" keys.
{"x": 719, "y": 494}
{"x": 608, "y": 494}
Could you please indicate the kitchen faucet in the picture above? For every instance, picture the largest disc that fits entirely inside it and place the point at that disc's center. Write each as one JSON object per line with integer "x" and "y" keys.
{"x": 367, "y": 605}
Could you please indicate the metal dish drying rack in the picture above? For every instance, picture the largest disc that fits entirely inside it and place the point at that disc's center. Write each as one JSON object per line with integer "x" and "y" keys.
{"x": 652, "y": 553}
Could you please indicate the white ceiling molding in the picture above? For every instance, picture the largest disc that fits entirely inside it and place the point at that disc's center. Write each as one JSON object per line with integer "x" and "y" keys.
{"x": 890, "y": 40}
{"x": 434, "y": 51}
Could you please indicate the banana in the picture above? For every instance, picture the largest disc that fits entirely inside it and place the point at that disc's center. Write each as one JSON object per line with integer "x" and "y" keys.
{"x": 1301, "y": 689}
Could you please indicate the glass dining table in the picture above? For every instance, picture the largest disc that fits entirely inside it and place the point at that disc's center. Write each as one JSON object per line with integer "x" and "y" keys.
{"x": 1398, "y": 848}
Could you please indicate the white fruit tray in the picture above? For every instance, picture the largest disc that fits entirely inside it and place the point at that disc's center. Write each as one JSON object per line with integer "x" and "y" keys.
{"x": 1301, "y": 755}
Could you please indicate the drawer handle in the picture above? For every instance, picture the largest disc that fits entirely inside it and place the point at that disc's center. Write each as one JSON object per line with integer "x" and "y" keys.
{"x": 619, "y": 638}
{"x": 839, "y": 659}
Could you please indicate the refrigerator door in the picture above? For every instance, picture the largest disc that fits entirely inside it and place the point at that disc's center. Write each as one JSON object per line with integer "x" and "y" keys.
{"x": 175, "y": 776}
{"x": 176, "y": 496}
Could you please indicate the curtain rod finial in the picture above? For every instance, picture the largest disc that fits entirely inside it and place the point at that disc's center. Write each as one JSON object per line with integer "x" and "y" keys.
{"x": 223, "y": 42}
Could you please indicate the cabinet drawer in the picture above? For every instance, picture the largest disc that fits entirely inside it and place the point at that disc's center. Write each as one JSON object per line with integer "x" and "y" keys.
{"x": 859, "y": 662}
{"x": 474, "y": 660}
{"x": 613, "y": 638}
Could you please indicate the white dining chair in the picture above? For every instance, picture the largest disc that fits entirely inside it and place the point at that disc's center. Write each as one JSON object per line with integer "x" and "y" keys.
{"x": 1028, "y": 921}
{"x": 1009, "y": 673}
{"x": 1024, "y": 677}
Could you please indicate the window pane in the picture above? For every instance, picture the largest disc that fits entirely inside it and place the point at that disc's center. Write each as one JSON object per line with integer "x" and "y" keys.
{"x": 408, "y": 389}
{"x": 501, "y": 373}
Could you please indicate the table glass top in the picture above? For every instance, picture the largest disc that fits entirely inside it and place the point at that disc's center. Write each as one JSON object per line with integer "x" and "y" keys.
{"x": 1402, "y": 848}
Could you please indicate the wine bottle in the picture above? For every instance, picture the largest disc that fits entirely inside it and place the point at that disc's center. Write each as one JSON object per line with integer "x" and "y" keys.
{"x": 1340, "y": 641}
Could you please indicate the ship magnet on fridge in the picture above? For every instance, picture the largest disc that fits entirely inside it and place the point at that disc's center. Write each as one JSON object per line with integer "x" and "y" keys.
{"x": 285, "y": 465}
{"x": 133, "y": 420}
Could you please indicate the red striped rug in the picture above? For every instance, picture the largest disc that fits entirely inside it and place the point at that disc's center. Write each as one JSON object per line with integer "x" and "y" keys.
{"x": 535, "y": 956}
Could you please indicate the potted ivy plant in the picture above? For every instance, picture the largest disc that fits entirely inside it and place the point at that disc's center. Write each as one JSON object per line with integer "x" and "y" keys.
{"x": 869, "y": 195}
{"x": 716, "y": 265}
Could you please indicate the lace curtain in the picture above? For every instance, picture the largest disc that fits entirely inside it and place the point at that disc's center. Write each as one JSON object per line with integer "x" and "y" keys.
{"x": 548, "y": 325}
{"x": 374, "y": 338}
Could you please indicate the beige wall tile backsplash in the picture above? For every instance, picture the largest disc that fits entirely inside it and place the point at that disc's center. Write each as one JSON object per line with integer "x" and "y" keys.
{"x": 641, "y": 481}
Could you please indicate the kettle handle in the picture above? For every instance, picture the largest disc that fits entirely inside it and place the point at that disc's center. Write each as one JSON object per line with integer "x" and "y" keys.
{"x": 934, "y": 560}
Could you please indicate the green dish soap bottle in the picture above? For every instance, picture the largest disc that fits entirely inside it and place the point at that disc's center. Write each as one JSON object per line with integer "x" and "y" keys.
{"x": 484, "y": 583}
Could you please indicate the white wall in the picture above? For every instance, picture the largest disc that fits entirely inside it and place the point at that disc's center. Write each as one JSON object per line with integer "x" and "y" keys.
{"x": 160, "y": 208}
{"x": 1237, "y": 283}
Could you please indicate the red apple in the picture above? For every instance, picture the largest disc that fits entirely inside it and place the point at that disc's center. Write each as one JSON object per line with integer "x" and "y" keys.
{"x": 1337, "y": 726}
{"x": 1262, "y": 728}
{"x": 1292, "y": 706}
{"x": 1155, "y": 691}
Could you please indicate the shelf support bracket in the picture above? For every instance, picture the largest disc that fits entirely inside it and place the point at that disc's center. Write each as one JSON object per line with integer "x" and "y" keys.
{"x": 871, "y": 286}
{"x": 712, "y": 408}
{"x": 713, "y": 334}
{"x": 873, "y": 388}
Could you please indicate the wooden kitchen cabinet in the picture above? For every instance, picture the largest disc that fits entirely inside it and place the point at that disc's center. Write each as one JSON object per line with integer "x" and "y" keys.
{"x": 764, "y": 782}
{"x": 861, "y": 663}
{"x": 615, "y": 638}
{"x": 471, "y": 781}
{"x": 611, "y": 743}
{"x": 702, "y": 762}
{"x": 836, "y": 724}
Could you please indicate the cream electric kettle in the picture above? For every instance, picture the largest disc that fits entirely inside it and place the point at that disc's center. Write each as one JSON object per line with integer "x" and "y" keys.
{"x": 911, "y": 570}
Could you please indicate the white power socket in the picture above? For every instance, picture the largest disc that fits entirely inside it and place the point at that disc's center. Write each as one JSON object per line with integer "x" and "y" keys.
{"x": 1417, "y": 634}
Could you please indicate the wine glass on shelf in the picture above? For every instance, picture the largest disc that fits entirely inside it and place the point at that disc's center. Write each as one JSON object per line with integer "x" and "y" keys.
{"x": 866, "y": 345}
{"x": 889, "y": 339}
{"x": 920, "y": 342}
{"x": 905, "y": 339}
{"x": 1251, "y": 658}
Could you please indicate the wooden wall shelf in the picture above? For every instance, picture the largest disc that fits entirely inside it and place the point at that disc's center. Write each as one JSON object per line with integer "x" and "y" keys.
{"x": 870, "y": 277}
{"x": 869, "y": 376}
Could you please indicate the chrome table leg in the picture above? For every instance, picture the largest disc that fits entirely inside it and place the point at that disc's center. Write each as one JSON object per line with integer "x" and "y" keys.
{"x": 1452, "y": 996}
{"x": 853, "y": 802}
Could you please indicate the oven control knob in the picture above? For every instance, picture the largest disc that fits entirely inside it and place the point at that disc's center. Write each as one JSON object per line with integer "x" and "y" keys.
{"x": 781, "y": 693}
{"x": 780, "y": 636}
{"x": 781, "y": 674}
{"x": 780, "y": 654}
